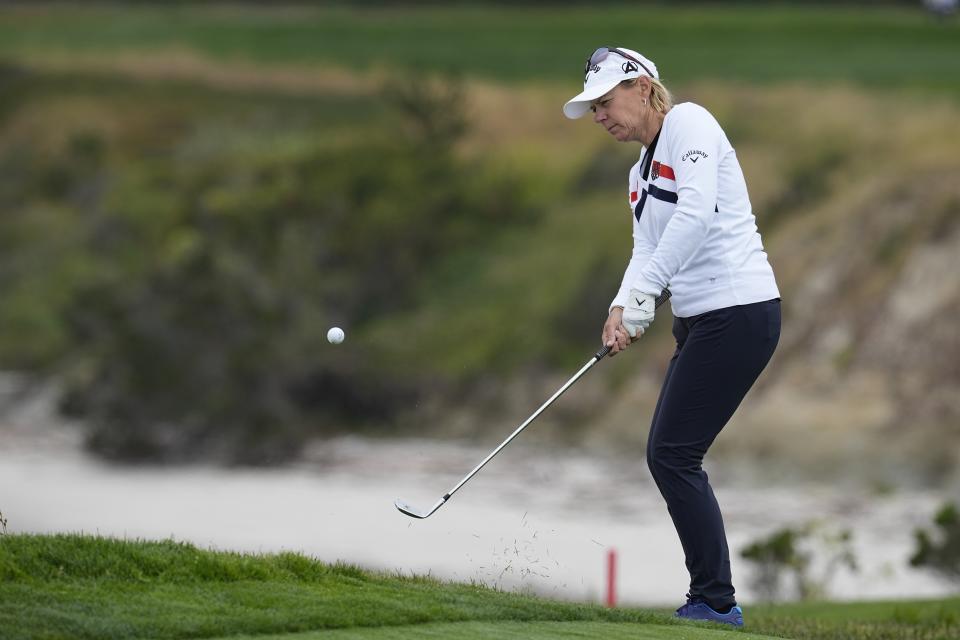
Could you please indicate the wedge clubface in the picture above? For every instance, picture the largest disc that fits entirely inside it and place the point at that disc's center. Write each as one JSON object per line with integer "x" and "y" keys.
{"x": 412, "y": 511}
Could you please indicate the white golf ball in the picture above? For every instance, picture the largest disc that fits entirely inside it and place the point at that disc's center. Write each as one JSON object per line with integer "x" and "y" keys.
{"x": 335, "y": 335}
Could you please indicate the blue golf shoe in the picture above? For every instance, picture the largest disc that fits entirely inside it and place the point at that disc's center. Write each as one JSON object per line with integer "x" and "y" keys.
{"x": 697, "y": 610}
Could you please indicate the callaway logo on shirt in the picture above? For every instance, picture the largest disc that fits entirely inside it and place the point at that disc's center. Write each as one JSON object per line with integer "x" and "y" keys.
{"x": 693, "y": 155}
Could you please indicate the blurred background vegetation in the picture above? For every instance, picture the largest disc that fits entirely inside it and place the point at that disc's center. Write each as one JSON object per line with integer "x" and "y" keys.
{"x": 192, "y": 194}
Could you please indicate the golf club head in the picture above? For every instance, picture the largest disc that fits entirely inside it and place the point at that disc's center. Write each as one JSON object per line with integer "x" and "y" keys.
{"x": 407, "y": 509}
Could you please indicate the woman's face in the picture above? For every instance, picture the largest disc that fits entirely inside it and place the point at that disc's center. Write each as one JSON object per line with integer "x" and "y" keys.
{"x": 620, "y": 112}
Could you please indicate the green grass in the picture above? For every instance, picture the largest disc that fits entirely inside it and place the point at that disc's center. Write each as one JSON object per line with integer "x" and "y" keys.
{"x": 756, "y": 43}
{"x": 89, "y": 587}
{"x": 933, "y": 619}
{"x": 521, "y": 631}
{"x": 74, "y": 586}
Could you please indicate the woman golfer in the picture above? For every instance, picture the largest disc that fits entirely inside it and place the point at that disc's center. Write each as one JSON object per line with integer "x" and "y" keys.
{"x": 694, "y": 232}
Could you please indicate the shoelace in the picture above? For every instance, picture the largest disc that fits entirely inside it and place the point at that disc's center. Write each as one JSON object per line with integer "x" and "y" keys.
{"x": 691, "y": 602}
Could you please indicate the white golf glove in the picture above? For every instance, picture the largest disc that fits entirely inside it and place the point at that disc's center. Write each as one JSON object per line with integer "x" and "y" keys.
{"x": 638, "y": 314}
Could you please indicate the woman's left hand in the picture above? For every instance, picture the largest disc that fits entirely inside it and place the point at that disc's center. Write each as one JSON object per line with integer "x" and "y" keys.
{"x": 639, "y": 312}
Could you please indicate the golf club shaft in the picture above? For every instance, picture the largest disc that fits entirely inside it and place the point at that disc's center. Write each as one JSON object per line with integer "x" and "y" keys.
{"x": 599, "y": 355}
{"x": 523, "y": 426}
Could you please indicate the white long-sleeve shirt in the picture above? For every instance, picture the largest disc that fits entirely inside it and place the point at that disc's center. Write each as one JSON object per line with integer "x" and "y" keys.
{"x": 693, "y": 227}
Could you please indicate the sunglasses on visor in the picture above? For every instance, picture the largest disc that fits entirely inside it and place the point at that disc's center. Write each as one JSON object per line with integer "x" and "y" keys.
{"x": 601, "y": 54}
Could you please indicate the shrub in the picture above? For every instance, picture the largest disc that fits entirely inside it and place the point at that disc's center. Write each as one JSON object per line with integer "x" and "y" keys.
{"x": 200, "y": 332}
{"x": 940, "y": 552}
{"x": 787, "y": 555}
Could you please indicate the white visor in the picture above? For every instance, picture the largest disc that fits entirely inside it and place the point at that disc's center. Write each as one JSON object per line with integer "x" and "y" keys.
{"x": 603, "y": 77}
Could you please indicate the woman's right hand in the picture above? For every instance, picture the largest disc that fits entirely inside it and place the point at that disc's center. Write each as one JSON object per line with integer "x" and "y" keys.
{"x": 614, "y": 334}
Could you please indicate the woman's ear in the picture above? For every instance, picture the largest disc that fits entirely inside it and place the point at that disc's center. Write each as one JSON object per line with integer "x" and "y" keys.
{"x": 643, "y": 84}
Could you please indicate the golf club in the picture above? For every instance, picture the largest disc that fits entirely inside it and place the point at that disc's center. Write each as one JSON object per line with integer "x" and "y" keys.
{"x": 414, "y": 512}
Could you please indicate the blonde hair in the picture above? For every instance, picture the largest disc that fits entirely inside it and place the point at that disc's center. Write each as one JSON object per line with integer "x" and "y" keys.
{"x": 660, "y": 97}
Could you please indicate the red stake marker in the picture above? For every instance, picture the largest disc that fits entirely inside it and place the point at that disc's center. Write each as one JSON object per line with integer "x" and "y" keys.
{"x": 612, "y": 578}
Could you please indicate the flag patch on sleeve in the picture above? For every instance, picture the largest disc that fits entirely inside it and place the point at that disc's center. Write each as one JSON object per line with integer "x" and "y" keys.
{"x": 659, "y": 170}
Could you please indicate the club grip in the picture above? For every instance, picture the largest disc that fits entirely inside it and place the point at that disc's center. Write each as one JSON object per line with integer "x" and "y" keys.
{"x": 663, "y": 297}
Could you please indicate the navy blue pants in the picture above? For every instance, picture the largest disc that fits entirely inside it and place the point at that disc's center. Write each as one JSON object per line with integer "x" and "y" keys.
{"x": 719, "y": 356}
